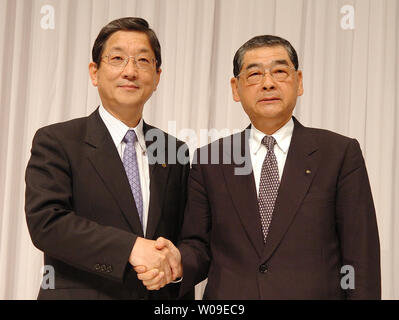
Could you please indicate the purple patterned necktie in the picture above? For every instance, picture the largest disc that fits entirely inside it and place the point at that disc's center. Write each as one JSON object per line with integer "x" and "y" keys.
{"x": 132, "y": 170}
{"x": 268, "y": 187}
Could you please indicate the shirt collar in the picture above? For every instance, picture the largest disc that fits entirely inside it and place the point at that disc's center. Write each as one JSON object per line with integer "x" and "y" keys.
{"x": 283, "y": 137}
{"x": 118, "y": 129}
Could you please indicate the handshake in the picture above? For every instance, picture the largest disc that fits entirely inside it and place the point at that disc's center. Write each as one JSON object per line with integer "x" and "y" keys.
{"x": 157, "y": 263}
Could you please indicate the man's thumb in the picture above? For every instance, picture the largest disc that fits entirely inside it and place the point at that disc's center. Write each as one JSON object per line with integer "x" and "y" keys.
{"x": 161, "y": 243}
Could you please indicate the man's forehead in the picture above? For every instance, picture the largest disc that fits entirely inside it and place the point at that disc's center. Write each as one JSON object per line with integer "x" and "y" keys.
{"x": 266, "y": 55}
{"x": 126, "y": 40}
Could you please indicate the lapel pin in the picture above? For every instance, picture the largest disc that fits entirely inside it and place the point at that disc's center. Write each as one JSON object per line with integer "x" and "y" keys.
{"x": 308, "y": 171}
{"x": 163, "y": 165}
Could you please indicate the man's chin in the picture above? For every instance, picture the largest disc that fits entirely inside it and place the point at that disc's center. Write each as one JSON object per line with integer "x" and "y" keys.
{"x": 130, "y": 105}
{"x": 270, "y": 112}
{"x": 129, "y": 99}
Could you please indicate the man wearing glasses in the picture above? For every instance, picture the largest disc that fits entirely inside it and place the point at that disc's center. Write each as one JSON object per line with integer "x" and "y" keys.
{"x": 300, "y": 224}
{"x": 96, "y": 193}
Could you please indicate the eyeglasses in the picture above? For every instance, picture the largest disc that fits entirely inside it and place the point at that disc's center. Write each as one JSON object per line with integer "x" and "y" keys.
{"x": 256, "y": 75}
{"x": 120, "y": 60}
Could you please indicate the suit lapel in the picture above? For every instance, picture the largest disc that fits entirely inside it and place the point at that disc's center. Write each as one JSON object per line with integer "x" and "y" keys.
{"x": 299, "y": 170}
{"x": 243, "y": 192}
{"x": 107, "y": 162}
{"x": 159, "y": 173}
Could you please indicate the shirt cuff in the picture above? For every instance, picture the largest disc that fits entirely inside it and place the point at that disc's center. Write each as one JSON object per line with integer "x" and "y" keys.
{"x": 178, "y": 280}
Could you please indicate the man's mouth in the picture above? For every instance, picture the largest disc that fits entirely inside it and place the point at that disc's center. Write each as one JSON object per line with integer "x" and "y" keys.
{"x": 269, "y": 99}
{"x": 129, "y": 86}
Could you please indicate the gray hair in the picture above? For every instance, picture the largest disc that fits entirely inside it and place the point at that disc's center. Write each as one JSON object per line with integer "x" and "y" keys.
{"x": 259, "y": 42}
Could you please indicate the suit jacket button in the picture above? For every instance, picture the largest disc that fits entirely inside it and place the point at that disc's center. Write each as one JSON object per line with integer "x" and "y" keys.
{"x": 263, "y": 268}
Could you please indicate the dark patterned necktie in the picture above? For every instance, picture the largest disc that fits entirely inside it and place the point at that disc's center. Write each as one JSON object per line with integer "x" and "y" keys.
{"x": 268, "y": 187}
{"x": 132, "y": 171}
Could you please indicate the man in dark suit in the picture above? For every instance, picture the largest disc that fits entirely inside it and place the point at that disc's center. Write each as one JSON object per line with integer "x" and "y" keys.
{"x": 99, "y": 188}
{"x": 279, "y": 211}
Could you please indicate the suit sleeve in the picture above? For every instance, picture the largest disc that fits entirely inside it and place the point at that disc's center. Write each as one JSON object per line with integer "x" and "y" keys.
{"x": 357, "y": 226}
{"x": 54, "y": 226}
{"x": 194, "y": 244}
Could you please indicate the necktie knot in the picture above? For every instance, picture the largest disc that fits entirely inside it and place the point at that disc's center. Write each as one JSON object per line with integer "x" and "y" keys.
{"x": 269, "y": 142}
{"x": 130, "y": 136}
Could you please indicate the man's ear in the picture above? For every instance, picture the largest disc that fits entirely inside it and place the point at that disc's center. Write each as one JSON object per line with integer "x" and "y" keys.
{"x": 234, "y": 89}
{"x": 93, "y": 73}
{"x": 157, "y": 78}
{"x": 300, "y": 83}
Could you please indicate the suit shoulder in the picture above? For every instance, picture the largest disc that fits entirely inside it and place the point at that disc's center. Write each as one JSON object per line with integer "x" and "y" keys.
{"x": 330, "y": 137}
{"x": 222, "y": 150}
{"x": 73, "y": 127}
{"x": 332, "y": 143}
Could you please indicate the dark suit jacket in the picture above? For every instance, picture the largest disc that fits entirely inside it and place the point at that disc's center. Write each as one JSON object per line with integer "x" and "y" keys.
{"x": 324, "y": 218}
{"x": 81, "y": 212}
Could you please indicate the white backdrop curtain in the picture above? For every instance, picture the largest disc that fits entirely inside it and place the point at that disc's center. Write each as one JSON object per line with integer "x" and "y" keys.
{"x": 350, "y": 80}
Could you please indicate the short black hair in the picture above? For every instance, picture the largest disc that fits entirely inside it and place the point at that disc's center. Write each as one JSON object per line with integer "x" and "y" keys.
{"x": 126, "y": 24}
{"x": 259, "y": 42}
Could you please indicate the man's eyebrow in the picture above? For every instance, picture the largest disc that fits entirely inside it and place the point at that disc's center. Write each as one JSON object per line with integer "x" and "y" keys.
{"x": 117, "y": 48}
{"x": 274, "y": 62}
{"x": 253, "y": 65}
{"x": 144, "y": 50}
{"x": 285, "y": 62}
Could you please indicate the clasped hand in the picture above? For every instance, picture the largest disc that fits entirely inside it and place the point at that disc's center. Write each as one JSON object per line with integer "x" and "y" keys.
{"x": 157, "y": 263}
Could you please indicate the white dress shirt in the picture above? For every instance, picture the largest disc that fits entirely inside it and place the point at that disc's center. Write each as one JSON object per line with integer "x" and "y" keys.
{"x": 118, "y": 130}
{"x": 258, "y": 150}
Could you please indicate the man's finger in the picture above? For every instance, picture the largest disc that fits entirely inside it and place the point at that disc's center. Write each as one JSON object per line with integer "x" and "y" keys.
{"x": 176, "y": 272}
{"x": 157, "y": 281}
{"x": 156, "y": 286}
{"x": 168, "y": 273}
{"x": 140, "y": 269}
{"x": 149, "y": 275}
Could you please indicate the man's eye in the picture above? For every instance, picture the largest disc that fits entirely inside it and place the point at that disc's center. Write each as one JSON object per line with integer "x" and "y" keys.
{"x": 144, "y": 60}
{"x": 117, "y": 58}
{"x": 254, "y": 74}
{"x": 280, "y": 70}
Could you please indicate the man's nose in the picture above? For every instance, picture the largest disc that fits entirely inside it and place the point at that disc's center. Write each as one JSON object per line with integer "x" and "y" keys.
{"x": 130, "y": 69}
{"x": 268, "y": 82}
